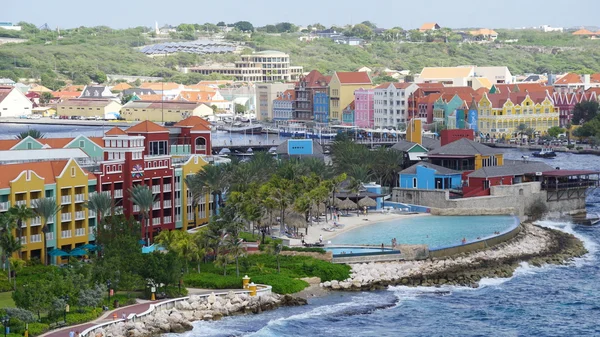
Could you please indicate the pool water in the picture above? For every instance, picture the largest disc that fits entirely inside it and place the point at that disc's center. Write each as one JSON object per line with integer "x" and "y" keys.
{"x": 354, "y": 250}
{"x": 434, "y": 231}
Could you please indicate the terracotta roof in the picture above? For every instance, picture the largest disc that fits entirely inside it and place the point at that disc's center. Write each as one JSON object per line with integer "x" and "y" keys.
{"x": 200, "y": 127}
{"x": 4, "y": 91}
{"x": 570, "y": 78}
{"x": 98, "y": 140}
{"x": 584, "y": 32}
{"x": 483, "y": 31}
{"x": 516, "y": 98}
{"x": 595, "y": 78}
{"x": 288, "y": 95}
{"x": 160, "y": 86}
{"x": 195, "y": 96}
{"x": 432, "y": 98}
{"x": 350, "y": 106}
{"x": 55, "y": 143}
{"x": 216, "y": 82}
{"x": 7, "y": 144}
{"x": 191, "y": 122}
{"x": 116, "y": 131}
{"x": 86, "y": 102}
{"x": 328, "y": 79}
{"x": 151, "y": 97}
{"x": 39, "y": 88}
{"x": 315, "y": 79}
{"x": 596, "y": 90}
{"x": 199, "y": 87}
{"x": 430, "y": 85}
{"x": 428, "y": 26}
{"x": 353, "y": 77}
{"x": 48, "y": 170}
{"x": 66, "y": 94}
{"x": 146, "y": 126}
{"x": 446, "y": 72}
{"x": 73, "y": 87}
{"x": 121, "y": 87}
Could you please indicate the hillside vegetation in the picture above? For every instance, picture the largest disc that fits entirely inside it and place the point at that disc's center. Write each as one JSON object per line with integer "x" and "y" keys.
{"x": 85, "y": 54}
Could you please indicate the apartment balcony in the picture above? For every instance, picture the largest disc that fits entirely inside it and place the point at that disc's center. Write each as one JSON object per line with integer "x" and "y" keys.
{"x": 167, "y": 204}
{"x": 66, "y": 234}
{"x": 65, "y": 199}
{"x": 118, "y": 193}
{"x": 119, "y": 210}
{"x": 168, "y": 219}
{"x": 156, "y": 205}
{"x": 33, "y": 202}
{"x": 156, "y": 189}
{"x": 155, "y": 221}
{"x": 177, "y": 187}
{"x": 37, "y": 221}
{"x": 50, "y": 236}
{"x": 23, "y": 240}
{"x": 136, "y": 208}
{"x": 79, "y": 215}
{"x": 79, "y": 231}
{"x": 190, "y": 216}
{"x": 4, "y": 206}
{"x": 21, "y": 202}
{"x": 36, "y": 238}
{"x": 177, "y": 202}
{"x": 167, "y": 188}
{"x": 65, "y": 217}
{"x": 91, "y": 214}
{"x": 178, "y": 217}
{"x": 79, "y": 197}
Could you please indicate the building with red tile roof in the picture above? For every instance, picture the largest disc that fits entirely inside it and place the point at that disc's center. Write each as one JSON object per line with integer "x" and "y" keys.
{"x": 305, "y": 89}
{"x": 391, "y": 103}
{"x": 341, "y": 90}
{"x": 13, "y": 103}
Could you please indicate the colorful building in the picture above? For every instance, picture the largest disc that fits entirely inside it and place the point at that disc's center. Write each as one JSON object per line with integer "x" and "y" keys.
{"x": 391, "y": 104}
{"x": 465, "y": 155}
{"x": 363, "y": 108}
{"x": 321, "y": 106}
{"x": 305, "y": 90}
{"x": 427, "y": 176}
{"x": 341, "y": 90}
{"x": 283, "y": 106}
{"x": 348, "y": 115}
{"x": 566, "y": 101}
{"x": 13, "y": 102}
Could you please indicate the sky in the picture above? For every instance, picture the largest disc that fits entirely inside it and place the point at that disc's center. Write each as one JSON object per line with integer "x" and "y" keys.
{"x": 408, "y": 14}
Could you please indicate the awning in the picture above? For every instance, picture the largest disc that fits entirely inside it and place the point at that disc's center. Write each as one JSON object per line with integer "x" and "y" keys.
{"x": 415, "y": 156}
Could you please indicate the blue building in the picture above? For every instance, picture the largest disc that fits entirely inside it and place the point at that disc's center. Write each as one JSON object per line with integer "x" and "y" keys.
{"x": 321, "y": 106}
{"x": 426, "y": 176}
{"x": 348, "y": 115}
{"x": 300, "y": 148}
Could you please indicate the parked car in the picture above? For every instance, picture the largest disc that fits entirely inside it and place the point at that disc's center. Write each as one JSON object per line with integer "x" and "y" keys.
{"x": 23, "y": 117}
{"x": 35, "y": 116}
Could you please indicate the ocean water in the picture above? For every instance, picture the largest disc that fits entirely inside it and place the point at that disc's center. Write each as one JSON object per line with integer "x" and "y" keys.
{"x": 434, "y": 231}
{"x": 546, "y": 301}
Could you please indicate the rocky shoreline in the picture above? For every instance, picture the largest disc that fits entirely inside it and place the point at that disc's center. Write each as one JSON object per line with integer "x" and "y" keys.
{"x": 196, "y": 308}
{"x": 535, "y": 245}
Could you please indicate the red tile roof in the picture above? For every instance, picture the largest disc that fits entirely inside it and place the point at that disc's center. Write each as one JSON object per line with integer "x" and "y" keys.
{"x": 315, "y": 79}
{"x": 98, "y": 140}
{"x": 570, "y": 78}
{"x": 288, "y": 95}
{"x": 116, "y": 131}
{"x": 56, "y": 143}
{"x": 350, "y": 106}
{"x": 4, "y": 91}
{"x": 66, "y": 94}
{"x": 200, "y": 127}
{"x": 192, "y": 121}
{"x": 146, "y": 126}
{"x": 354, "y": 77}
{"x": 7, "y": 144}
{"x": 48, "y": 170}
{"x": 430, "y": 85}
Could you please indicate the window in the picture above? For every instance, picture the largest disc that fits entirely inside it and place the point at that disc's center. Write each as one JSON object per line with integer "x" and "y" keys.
{"x": 414, "y": 181}
{"x": 158, "y": 148}
{"x": 29, "y": 146}
{"x": 72, "y": 171}
{"x": 81, "y": 143}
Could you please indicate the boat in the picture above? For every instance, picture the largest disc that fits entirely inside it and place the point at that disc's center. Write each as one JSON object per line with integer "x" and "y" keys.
{"x": 293, "y": 129}
{"x": 250, "y": 128}
{"x": 544, "y": 153}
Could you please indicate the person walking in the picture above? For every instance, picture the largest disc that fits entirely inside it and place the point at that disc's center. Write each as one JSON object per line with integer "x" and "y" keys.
{"x": 71, "y": 333}
{"x": 320, "y": 238}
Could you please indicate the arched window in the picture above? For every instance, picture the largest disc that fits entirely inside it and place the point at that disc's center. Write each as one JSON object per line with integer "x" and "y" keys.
{"x": 200, "y": 144}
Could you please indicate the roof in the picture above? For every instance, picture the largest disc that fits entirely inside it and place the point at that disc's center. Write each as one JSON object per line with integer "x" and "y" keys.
{"x": 93, "y": 91}
{"x": 317, "y": 149}
{"x": 397, "y": 85}
{"x": 483, "y": 31}
{"x": 39, "y": 88}
{"x": 429, "y": 26}
{"x": 484, "y": 81}
{"x": 463, "y": 147}
{"x": 146, "y": 126}
{"x": 139, "y": 92}
{"x": 199, "y": 87}
{"x": 4, "y": 91}
{"x": 403, "y": 145}
{"x": 38, "y": 155}
{"x": 66, "y": 94}
{"x": 7, "y": 144}
{"x": 48, "y": 170}
{"x": 438, "y": 169}
{"x": 430, "y": 143}
{"x": 121, "y": 87}
{"x": 98, "y": 140}
{"x": 567, "y": 173}
{"x": 116, "y": 131}
{"x": 355, "y": 77}
{"x": 87, "y": 102}
{"x": 288, "y": 95}
{"x": 315, "y": 79}
{"x": 511, "y": 168}
{"x": 446, "y": 72}
{"x": 350, "y": 107}
{"x": 55, "y": 143}
{"x": 585, "y": 32}
{"x": 192, "y": 121}
{"x": 196, "y": 96}
{"x": 73, "y": 87}
{"x": 570, "y": 78}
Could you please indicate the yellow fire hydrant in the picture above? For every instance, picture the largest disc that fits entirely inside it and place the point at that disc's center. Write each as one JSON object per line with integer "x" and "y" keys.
{"x": 252, "y": 288}
{"x": 245, "y": 282}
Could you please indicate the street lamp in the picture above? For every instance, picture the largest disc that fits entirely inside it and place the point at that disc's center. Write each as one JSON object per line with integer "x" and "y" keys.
{"x": 66, "y": 308}
{"x": 108, "y": 286}
{"x": 180, "y": 281}
{"x": 5, "y": 321}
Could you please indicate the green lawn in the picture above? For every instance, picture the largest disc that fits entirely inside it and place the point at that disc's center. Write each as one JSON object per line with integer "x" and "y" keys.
{"x": 6, "y": 300}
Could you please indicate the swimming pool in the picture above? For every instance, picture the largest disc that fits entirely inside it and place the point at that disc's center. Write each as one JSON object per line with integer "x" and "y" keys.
{"x": 355, "y": 250}
{"x": 434, "y": 231}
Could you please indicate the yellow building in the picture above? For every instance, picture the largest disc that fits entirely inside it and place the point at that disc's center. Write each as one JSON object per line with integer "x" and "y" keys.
{"x": 87, "y": 107}
{"x": 341, "y": 90}
{"x": 191, "y": 166}
{"x": 501, "y": 114}
{"x": 68, "y": 184}
{"x": 164, "y": 111}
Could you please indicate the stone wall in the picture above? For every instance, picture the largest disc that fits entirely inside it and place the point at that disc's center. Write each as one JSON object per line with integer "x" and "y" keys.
{"x": 475, "y": 246}
{"x": 328, "y": 256}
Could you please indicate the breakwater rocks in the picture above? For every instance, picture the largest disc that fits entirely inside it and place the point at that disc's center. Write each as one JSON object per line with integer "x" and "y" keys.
{"x": 533, "y": 244}
{"x": 178, "y": 318}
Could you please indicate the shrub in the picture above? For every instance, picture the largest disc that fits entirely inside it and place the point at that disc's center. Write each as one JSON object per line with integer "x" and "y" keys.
{"x": 173, "y": 291}
{"x": 212, "y": 281}
{"x": 21, "y": 314}
{"x": 536, "y": 210}
{"x": 570, "y": 146}
{"x": 302, "y": 249}
{"x": 36, "y": 329}
{"x": 281, "y": 284}
{"x": 82, "y": 317}
{"x": 5, "y": 286}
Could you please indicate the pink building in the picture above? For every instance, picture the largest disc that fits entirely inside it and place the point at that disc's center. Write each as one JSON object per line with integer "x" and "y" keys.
{"x": 364, "y": 108}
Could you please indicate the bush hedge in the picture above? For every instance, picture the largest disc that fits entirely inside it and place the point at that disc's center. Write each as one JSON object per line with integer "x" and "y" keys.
{"x": 302, "y": 249}
{"x": 281, "y": 284}
{"x": 36, "y": 329}
{"x": 212, "y": 281}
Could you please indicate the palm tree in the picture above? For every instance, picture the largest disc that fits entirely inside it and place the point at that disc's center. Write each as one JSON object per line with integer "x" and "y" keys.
{"x": 202, "y": 247}
{"x": 193, "y": 184}
{"x": 214, "y": 179}
{"x": 167, "y": 239}
{"x": 45, "y": 208}
{"x": 236, "y": 250}
{"x": 274, "y": 249}
{"x": 9, "y": 245}
{"x": 21, "y": 214}
{"x": 100, "y": 203}
{"x": 33, "y": 133}
{"x": 142, "y": 196}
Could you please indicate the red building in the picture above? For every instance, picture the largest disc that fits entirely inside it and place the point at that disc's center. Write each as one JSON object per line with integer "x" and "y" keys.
{"x": 305, "y": 90}
{"x": 566, "y": 102}
{"x": 448, "y": 136}
{"x": 195, "y": 132}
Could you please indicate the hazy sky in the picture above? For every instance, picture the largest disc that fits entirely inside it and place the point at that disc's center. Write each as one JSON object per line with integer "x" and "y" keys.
{"x": 407, "y": 14}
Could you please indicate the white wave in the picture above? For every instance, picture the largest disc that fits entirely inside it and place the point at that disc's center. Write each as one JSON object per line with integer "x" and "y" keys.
{"x": 588, "y": 243}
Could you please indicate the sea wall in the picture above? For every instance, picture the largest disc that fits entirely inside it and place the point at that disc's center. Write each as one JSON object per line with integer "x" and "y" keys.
{"x": 474, "y": 246}
{"x": 328, "y": 256}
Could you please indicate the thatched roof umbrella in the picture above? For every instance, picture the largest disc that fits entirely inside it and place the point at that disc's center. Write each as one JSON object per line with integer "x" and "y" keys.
{"x": 296, "y": 220}
{"x": 348, "y": 204}
{"x": 367, "y": 202}
{"x": 316, "y": 209}
{"x": 337, "y": 202}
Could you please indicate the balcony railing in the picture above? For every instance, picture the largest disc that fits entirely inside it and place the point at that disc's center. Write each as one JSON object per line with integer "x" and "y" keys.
{"x": 65, "y": 217}
{"x": 156, "y": 205}
{"x": 37, "y": 221}
{"x": 23, "y": 240}
{"x": 167, "y": 188}
{"x": 156, "y": 189}
{"x": 4, "y": 206}
{"x": 177, "y": 202}
{"x": 21, "y": 202}
{"x": 118, "y": 193}
{"x": 168, "y": 219}
{"x": 36, "y": 238}
{"x": 50, "y": 236}
{"x": 136, "y": 208}
{"x": 79, "y": 231}
{"x": 66, "y": 234}
{"x": 65, "y": 199}
{"x": 79, "y": 197}
{"x": 155, "y": 221}
{"x": 91, "y": 214}
{"x": 190, "y": 216}
{"x": 79, "y": 215}
{"x": 33, "y": 202}
{"x": 167, "y": 204}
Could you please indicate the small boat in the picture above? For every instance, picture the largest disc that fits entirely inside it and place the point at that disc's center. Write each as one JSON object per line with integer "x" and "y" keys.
{"x": 544, "y": 153}
{"x": 250, "y": 128}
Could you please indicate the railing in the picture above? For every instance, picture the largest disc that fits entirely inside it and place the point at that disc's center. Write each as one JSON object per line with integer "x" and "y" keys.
{"x": 79, "y": 197}
{"x": 155, "y": 221}
{"x": 79, "y": 231}
{"x": 4, "y": 206}
{"x": 65, "y": 217}
{"x": 65, "y": 199}
{"x": 21, "y": 202}
{"x": 177, "y": 202}
{"x": 167, "y": 204}
{"x": 167, "y": 188}
{"x": 91, "y": 213}
{"x": 66, "y": 234}
{"x": 36, "y": 238}
{"x": 168, "y": 219}
{"x": 136, "y": 208}
{"x": 577, "y": 184}
{"x": 50, "y": 236}
{"x": 156, "y": 189}
{"x": 33, "y": 202}
{"x": 79, "y": 215}
{"x": 156, "y": 205}
{"x": 190, "y": 216}
{"x": 118, "y": 194}
{"x": 37, "y": 221}
{"x": 23, "y": 240}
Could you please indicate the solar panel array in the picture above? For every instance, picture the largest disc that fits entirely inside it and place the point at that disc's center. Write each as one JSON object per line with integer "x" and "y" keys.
{"x": 194, "y": 47}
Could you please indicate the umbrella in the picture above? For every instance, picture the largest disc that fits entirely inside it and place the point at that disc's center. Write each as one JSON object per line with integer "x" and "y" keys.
{"x": 348, "y": 204}
{"x": 89, "y": 247}
{"x": 337, "y": 202}
{"x": 78, "y": 252}
{"x": 367, "y": 202}
{"x": 295, "y": 219}
{"x": 57, "y": 252}
{"x": 320, "y": 207}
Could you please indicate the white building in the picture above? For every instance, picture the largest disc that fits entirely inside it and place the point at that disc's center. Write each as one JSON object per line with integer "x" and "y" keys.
{"x": 390, "y": 106}
{"x": 13, "y": 103}
{"x": 9, "y": 26}
{"x": 547, "y": 29}
{"x": 466, "y": 76}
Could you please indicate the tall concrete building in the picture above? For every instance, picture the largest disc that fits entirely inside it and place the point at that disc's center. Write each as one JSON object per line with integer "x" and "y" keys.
{"x": 265, "y": 94}
{"x": 391, "y": 103}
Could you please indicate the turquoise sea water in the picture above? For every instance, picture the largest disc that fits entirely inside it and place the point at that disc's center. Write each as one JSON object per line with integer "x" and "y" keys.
{"x": 354, "y": 250}
{"x": 435, "y": 231}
